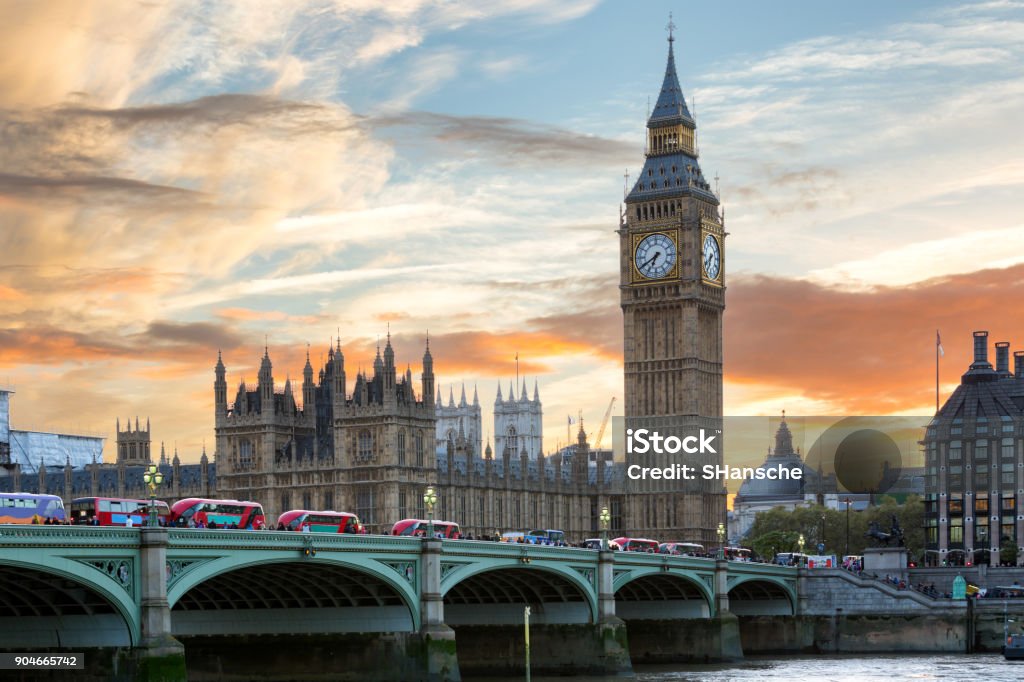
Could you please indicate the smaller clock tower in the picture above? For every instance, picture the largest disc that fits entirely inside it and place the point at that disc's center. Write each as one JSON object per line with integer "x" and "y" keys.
{"x": 672, "y": 286}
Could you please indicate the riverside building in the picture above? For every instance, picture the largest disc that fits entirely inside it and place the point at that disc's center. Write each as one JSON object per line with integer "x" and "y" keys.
{"x": 974, "y": 463}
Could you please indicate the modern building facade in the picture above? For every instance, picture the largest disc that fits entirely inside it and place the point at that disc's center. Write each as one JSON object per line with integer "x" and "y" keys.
{"x": 974, "y": 462}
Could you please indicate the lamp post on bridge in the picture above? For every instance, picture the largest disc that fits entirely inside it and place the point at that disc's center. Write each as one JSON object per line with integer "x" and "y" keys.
{"x": 800, "y": 542}
{"x": 153, "y": 477}
{"x": 847, "y": 502}
{"x": 721, "y": 540}
{"x": 429, "y": 500}
{"x": 605, "y": 518}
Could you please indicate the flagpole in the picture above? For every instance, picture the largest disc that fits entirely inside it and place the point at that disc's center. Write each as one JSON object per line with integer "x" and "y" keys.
{"x": 938, "y": 344}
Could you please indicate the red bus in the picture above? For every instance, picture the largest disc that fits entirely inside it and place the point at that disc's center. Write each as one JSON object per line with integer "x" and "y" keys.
{"x": 637, "y": 545}
{"x": 319, "y": 521}
{"x": 224, "y": 513}
{"x": 418, "y": 528}
{"x": 114, "y": 511}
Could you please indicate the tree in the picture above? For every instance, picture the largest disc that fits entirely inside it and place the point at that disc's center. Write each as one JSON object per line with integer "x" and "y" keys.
{"x": 773, "y": 542}
{"x": 808, "y": 521}
{"x": 1008, "y": 551}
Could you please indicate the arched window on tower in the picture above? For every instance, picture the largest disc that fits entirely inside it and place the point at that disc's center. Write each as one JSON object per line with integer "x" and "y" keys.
{"x": 512, "y": 441}
{"x": 245, "y": 454}
{"x": 401, "y": 448}
{"x": 419, "y": 448}
{"x": 365, "y": 450}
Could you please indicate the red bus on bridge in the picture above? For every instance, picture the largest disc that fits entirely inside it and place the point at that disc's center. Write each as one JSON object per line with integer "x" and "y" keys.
{"x": 205, "y": 513}
{"x": 418, "y": 528}
{"x": 319, "y": 521}
{"x": 637, "y": 545}
{"x": 114, "y": 511}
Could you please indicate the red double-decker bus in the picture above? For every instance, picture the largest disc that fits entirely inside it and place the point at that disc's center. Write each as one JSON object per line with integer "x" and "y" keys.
{"x": 637, "y": 545}
{"x": 114, "y": 511}
{"x": 418, "y": 528}
{"x": 319, "y": 521}
{"x": 203, "y": 513}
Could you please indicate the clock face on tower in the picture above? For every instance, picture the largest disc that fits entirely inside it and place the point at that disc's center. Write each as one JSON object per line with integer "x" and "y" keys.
{"x": 655, "y": 256}
{"x": 712, "y": 256}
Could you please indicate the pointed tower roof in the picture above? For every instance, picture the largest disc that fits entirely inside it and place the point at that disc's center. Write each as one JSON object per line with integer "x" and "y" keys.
{"x": 220, "y": 360}
{"x": 511, "y": 392}
{"x": 462, "y": 401}
{"x": 671, "y": 168}
{"x": 437, "y": 400}
{"x": 536, "y": 392}
{"x": 476, "y": 397}
{"x": 498, "y": 398}
{"x": 451, "y": 397}
{"x": 671, "y": 105}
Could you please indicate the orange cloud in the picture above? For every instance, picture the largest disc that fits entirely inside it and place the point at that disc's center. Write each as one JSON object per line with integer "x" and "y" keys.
{"x": 867, "y": 352}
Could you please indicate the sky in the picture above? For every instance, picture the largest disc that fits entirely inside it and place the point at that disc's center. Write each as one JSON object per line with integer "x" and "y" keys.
{"x": 178, "y": 178}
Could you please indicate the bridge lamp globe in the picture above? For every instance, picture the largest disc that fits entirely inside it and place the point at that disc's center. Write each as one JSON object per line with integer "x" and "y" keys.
{"x": 153, "y": 478}
{"x": 800, "y": 541}
{"x": 605, "y": 518}
{"x": 429, "y": 500}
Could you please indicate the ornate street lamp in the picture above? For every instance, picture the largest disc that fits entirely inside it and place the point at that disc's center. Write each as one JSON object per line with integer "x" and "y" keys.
{"x": 848, "y": 502}
{"x": 605, "y": 518}
{"x": 721, "y": 540}
{"x": 430, "y": 499}
{"x": 800, "y": 541}
{"x": 153, "y": 478}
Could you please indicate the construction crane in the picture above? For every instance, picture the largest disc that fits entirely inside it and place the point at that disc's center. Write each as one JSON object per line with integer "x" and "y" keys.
{"x": 604, "y": 423}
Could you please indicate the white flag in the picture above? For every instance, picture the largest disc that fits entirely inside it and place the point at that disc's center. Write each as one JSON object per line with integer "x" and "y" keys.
{"x": 938, "y": 344}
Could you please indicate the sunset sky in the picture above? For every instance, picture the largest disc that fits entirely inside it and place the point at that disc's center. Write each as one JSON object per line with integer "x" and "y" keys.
{"x": 182, "y": 177}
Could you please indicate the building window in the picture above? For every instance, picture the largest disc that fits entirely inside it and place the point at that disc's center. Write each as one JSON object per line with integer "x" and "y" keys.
{"x": 364, "y": 505}
{"x": 365, "y": 451}
{"x": 245, "y": 454}
{"x": 419, "y": 448}
{"x": 307, "y": 501}
{"x": 329, "y": 500}
{"x": 981, "y": 507}
{"x": 401, "y": 448}
{"x": 981, "y": 449}
{"x": 286, "y": 501}
{"x": 403, "y": 510}
{"x": 512, "y": 441}
{"x": 955, "y": 451}
{"x": 1007, "y": 448}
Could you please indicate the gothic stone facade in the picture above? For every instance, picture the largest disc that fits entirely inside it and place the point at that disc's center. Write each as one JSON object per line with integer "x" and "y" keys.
{"x": 672, "y": 284}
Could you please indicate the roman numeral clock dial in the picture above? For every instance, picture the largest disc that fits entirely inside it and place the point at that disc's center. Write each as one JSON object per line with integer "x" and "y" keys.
{"x": 712, "y": 257}
{"x": 655, "y": 256}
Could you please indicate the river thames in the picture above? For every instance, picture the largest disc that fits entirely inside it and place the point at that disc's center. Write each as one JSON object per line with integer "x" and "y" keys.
{"x": 988, "y": 667}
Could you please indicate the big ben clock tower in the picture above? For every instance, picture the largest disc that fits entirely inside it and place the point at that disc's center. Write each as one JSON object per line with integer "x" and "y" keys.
{"x": 672, "y": 284}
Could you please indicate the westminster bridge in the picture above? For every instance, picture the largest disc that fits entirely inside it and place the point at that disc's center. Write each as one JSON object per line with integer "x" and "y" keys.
{"x": 159, "y": 596}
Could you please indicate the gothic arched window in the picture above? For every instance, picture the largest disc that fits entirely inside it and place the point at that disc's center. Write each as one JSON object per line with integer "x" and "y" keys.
{"x": 401, "y": 448}
{"x": 419, "y": 448}
{"x": 512, "y": 440}
{"x": 365, "y": 451}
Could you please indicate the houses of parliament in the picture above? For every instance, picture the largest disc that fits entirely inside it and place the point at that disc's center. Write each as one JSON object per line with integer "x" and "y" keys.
{"x": 372, "y": 442}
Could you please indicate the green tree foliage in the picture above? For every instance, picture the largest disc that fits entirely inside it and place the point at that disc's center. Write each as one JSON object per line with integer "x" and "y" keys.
{"x": 818, "y": 524}
{"x": 1008, "y": 551}
{"x": 773, "y": 542}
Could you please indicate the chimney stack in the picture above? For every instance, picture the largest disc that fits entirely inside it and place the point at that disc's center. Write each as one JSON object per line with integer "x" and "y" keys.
{"x": 1003, "y": 359}
{"x": 1018, "y": 364}
{"x": 981, "y": 351}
